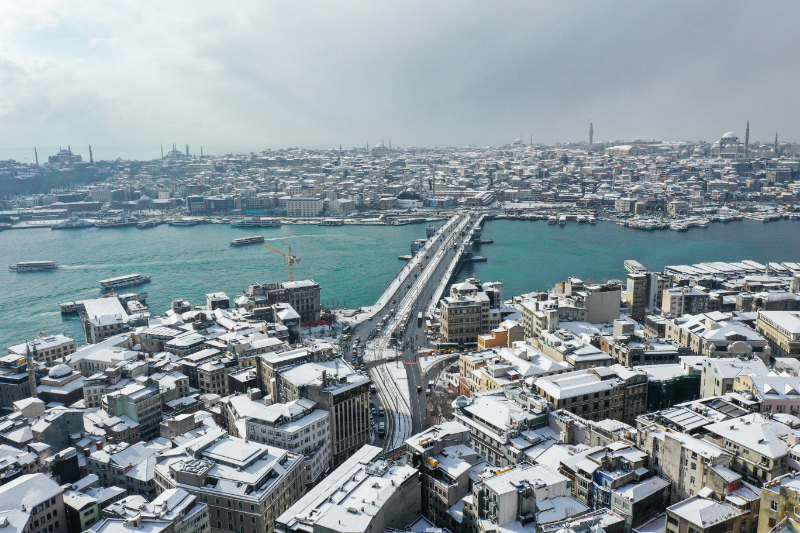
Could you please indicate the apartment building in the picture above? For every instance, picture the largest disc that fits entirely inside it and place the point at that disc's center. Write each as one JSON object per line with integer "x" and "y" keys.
{"x": 246, "y": 485}
{"x": 338, "y": 389}
{"x": 298, "y": 426}
{"x": 757, "y": 444}
{"x": 212, "y": 376}
{"x": 39, "y": 496}
{"x": 679, "y": 301}
{"x": 594, "y": 394}
{"x": 636, "y": 295}
{"x": 779, "y": 500}
{"x": 706, "y": 515}
{"x": 466, "y": 314}
{"x": 365, "y": 494}
{"x": 715, "y": 334}
{"x": 719, "y": 374}
{"x": 46, "y": 348}
{"x": 496, "y": 418}
{"x": 687, "y": 461}
{"x": 782, "y": 331}
{"x": 304, "y": 206}
{"x": 445, "y": 460}
{"x": 139, "y": 403}
{"x": 520, "y": 496}
{"x": 304, "y": 297}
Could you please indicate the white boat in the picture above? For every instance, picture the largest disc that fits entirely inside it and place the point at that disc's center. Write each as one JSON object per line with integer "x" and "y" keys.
{"x": 247, "y": 240}
{"x": 582, "y": 219}
{"x": 592, "y": 220}
{"x": 562, "y": 220}
{"x": 553, "y": 220}
{"x": 144, "y": 224}
{"x": 123, "y": 281}
{"x": 72, "y": 223}
{"x": 33, "y": 266}
{"x": 183, "y": 222}
{"x": 256, "y": 222}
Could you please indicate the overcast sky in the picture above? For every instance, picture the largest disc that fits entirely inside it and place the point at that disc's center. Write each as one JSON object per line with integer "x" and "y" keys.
{"x": 240, "y": 76}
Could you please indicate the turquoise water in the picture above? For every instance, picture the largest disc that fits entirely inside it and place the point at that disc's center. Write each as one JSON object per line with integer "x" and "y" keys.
{"x": 353, "y": 264}
{"x": 528, "y": 256}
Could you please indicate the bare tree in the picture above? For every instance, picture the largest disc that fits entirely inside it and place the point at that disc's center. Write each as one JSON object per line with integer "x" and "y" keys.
{"x": 440, "y": 408}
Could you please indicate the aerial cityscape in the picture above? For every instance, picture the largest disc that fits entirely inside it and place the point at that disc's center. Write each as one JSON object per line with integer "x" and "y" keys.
{"x": 575, "y": 329}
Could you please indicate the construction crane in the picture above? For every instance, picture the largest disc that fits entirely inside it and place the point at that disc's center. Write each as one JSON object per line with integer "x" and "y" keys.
{"x": 291, "y": 258}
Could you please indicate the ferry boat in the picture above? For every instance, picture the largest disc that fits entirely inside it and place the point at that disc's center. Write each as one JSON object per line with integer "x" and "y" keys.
{"x": 592, "y": 220}
{"x": 123, "y": 281}
{"x": 331, "y": 223}
{"x": 247, "y": 240}
{"x": 72, "y": 223}
{"x": 33, "y": 266}
{"x": 116, "y": 223}
{"x": 144, "y": 224}
{"x": 562, "y": 220}
{"x": 582, "y": 219}
{"x": 183, "y": 222}
{"x": 256, "y": 223}
{"x": 553, "y": 220}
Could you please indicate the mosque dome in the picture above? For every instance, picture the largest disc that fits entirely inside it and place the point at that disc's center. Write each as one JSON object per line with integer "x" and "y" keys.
{"x": 730, "y": 136}
{"x": 60, "y": 371}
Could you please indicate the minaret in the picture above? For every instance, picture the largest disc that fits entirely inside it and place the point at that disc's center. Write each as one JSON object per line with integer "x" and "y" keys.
{"x": 162, "y": 150}
{"x": 187, "y": 150}
{"x": 775, "y": 149}
{"x": 69, "y": 149}
{"x": 591, "y": 134}
{"x": 201, "y": 151}
{"x": 35, "y": 153}
{"x": 91, "y": 159}
{"x": 747, "y": 141}
{"x": 31, "y": 371}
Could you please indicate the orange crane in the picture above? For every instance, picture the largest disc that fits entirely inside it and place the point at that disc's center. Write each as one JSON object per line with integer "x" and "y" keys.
{"x": 291, "y": 258}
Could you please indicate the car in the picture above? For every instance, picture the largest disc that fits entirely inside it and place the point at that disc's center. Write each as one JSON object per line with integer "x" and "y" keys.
{"x": 394, "y": 302}
{"x": 381, "y": 429}
{"x": 381, "y": 411}
{"x": 373, "y": 411}
{"x": 419, "y": 388}
{"x": 373, "y": 390}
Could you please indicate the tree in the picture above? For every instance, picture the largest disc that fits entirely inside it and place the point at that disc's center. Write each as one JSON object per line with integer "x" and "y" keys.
{"x": 440, "y": 408}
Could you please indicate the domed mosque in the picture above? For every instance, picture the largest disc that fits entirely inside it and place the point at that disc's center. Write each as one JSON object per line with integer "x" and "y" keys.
{"x": 62, "y": 385}
{"x": 728, "y": 146}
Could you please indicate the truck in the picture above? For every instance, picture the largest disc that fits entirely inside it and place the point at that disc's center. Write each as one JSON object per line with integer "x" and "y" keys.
{"x": 419, "y": 319}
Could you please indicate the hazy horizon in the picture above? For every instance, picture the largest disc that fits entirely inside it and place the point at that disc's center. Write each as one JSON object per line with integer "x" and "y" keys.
{"x": 250, "y": 76}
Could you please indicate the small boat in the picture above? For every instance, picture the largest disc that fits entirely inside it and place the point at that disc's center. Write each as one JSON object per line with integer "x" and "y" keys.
{"x": 147, "y": 224}
{"x": 247, "y": 240}
{"x": 562, "y": 220}
{"x": 553, "y": 220}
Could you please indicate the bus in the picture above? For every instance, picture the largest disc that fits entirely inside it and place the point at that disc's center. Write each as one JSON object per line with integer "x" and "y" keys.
{"x": 419, "y": 319}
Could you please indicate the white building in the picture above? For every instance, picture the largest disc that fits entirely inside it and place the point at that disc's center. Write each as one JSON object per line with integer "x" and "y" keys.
{"x": 304, "y": 206}
{"x": 364, "y": 495}
{"x": 296, "y": 426}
